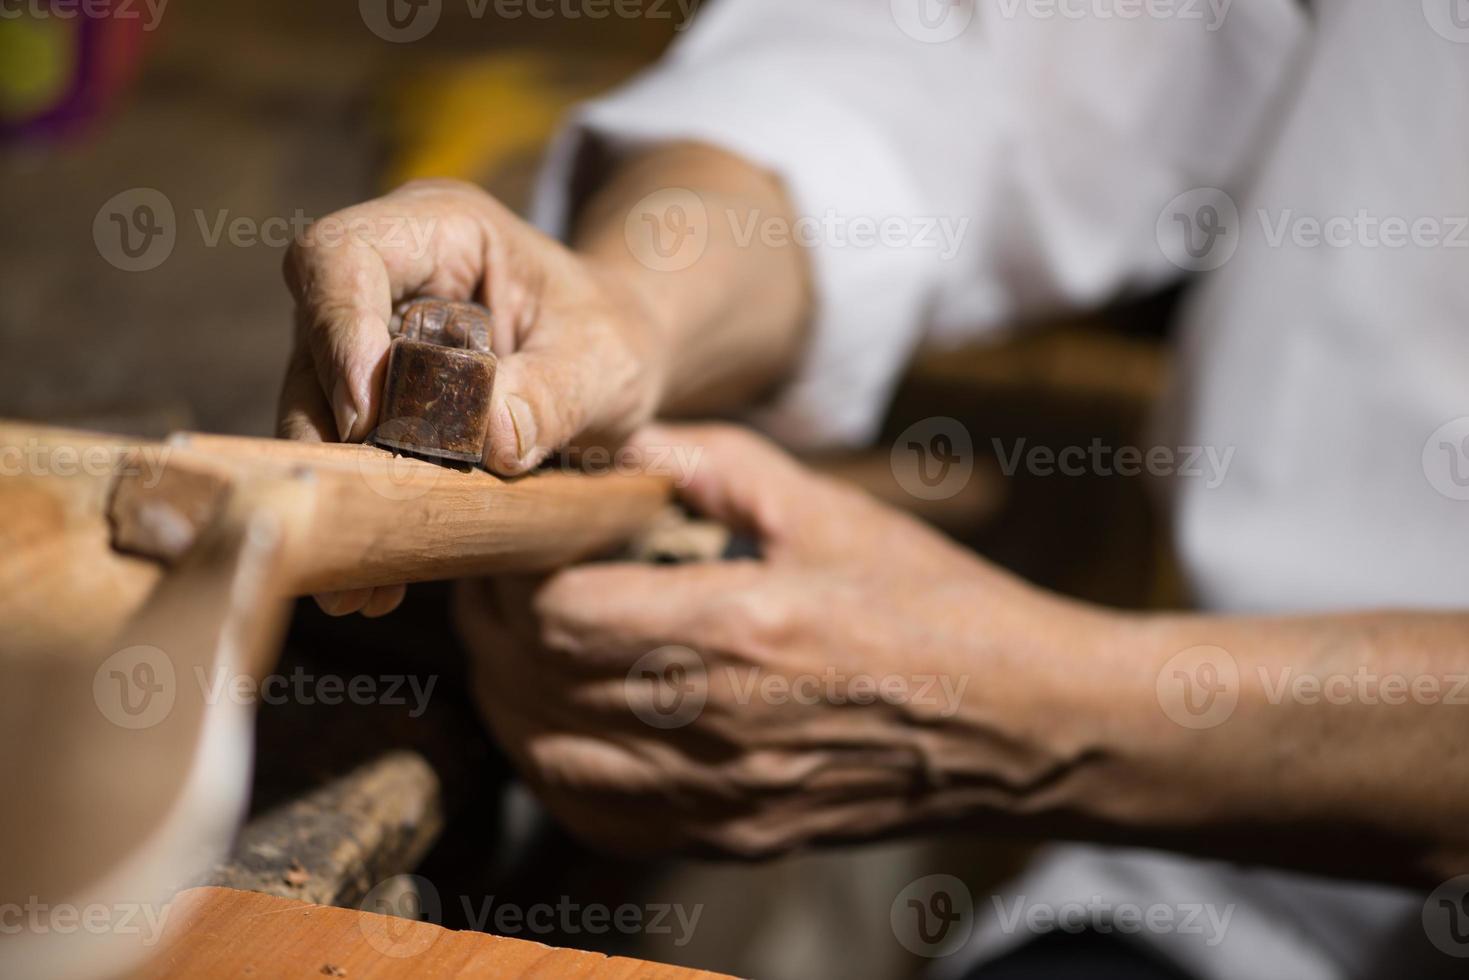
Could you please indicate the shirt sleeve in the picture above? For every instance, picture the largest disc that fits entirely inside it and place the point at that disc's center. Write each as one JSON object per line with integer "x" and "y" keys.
{"x": 955, "y": 167}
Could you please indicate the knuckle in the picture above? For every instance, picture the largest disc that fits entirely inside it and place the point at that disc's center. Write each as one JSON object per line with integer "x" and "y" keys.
{"x": 751, "y": 620}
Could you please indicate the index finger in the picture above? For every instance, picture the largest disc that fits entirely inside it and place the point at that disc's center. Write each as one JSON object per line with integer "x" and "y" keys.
{"x": 349, "y": 269}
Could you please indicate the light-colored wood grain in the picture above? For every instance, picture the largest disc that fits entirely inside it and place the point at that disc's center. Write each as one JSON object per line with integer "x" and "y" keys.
{"x": 220, "y": 932}
{"x": 368, "y": 517}
{"x": 63, "y": 589}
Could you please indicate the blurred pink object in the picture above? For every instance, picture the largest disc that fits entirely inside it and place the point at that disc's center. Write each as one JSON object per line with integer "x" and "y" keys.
{"x": 63, "y": 63}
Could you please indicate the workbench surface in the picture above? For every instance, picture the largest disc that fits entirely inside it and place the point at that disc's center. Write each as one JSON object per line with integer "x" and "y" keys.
{"x": 223, "y": 932}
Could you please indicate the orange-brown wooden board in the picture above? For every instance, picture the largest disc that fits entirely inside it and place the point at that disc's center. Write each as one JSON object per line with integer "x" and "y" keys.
{"x": 222, "y": 932}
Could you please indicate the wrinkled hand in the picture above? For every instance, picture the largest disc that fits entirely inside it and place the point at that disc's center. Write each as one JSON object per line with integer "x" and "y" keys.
{"x": 831, "y": 690}
{"x": 581, "y": 356}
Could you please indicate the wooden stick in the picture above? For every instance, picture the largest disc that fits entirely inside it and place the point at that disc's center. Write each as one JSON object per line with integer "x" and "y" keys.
{"x": 358, "y": 516}
{"x": 341, "y": 838}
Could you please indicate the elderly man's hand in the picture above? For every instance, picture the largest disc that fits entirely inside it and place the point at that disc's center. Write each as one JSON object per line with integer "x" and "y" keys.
{"x": 863, "y": 676}
{"x": 581, "y": 355}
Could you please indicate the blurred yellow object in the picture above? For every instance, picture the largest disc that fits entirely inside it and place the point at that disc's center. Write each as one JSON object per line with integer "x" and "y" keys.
{"x": 38, "y": 60}
{"x": 478, "y": 118}
{"x": 463, "y": 120}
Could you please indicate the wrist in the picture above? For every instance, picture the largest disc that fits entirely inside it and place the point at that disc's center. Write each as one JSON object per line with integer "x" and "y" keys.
{"x": 1042, "y": 728}
{"x": 644, "y": 315}
{"x": 646, "y": 298}
{"x": 732, "y": 310}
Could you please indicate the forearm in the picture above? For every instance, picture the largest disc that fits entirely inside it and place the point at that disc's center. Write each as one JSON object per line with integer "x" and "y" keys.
{"x": 1326, "y": 742}
{"x": 717, "y": 268}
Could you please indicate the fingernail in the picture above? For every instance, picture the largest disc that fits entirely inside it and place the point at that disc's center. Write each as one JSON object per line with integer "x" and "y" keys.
{"x": 344, "y": 409}
{"x": 524, "y": 422}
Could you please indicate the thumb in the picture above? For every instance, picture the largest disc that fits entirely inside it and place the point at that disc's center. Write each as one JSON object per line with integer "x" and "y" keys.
{"x": 539, "y": 404}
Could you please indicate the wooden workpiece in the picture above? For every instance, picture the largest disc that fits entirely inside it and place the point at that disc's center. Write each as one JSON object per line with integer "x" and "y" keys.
{"x": 221, "y": 932}
{"x": 357, "y": 516}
